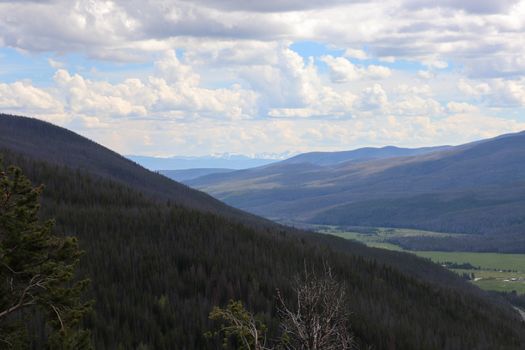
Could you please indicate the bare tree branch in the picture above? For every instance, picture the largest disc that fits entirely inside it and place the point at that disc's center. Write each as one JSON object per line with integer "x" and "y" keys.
{"x": 320, "y": 320}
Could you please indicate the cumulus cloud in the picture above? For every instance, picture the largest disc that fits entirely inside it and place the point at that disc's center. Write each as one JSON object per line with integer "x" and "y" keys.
{"x": 496, "y": 92}
{"x": 473, "y": 89}
{"x": 269, "y": 5}
{"x": 98, "y": 98}
{"x": 24, "y": 96}
{"x": 435, "y": 33}
{"x": 343, "y": 70}
{"x": 461, "y": 107}
{"x": 292, "y": 87}
{"x": 222, "y": 74}
{"x": 425, "y": 74}
{"x": 372, "y": 98}
{"x": 473, "y": 6}
{"x": 378, "y": 72}
{"x": 355, "y": 53}
{"x": 416, "y": 105}
{"x": 55, "y": 64}
{"x": 173, "y": 92}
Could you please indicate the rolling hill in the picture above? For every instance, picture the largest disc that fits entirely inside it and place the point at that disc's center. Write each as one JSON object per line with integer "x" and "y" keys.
{"x": 359, "y": 155}
{"x": 159, "y": 258}
{"x": 476, "y": 188}
{"x": 228, "y": 161}
{"x": 190, "y": 174}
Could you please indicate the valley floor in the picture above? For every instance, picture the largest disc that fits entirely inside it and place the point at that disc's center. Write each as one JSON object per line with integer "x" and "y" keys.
{"x": 490, "y": 271}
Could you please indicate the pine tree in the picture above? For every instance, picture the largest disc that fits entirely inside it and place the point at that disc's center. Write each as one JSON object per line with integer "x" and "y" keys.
{"x": 37, "y": 271}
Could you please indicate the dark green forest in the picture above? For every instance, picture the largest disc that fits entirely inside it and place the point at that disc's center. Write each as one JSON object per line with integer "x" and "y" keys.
{"x": 157, "y": 268}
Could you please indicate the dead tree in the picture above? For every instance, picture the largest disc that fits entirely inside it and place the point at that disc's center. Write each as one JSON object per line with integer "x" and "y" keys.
{"x": 318, "y": 319}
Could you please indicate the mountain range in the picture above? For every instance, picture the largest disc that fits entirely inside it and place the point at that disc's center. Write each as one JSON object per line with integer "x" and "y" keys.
{"x": 190, "y": 174}
{"x": 476, "y": 188}
{"x": 160, "y": 255}
{"x": 359, "y": 155}
{"x": 228, "y": 161}
{"x": 179, "y": 171}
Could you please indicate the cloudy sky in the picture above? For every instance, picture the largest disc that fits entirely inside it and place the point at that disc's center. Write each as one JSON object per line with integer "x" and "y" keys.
{"x": 195, "y": 77}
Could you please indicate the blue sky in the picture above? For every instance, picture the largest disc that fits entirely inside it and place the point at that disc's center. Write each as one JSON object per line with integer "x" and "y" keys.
{"x": 204, "y": 77}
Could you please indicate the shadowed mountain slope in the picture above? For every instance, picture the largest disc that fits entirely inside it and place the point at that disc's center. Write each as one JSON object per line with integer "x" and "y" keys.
{"x": 44, "y": 141}
{"x": 474, "y": 188}
{"x": 359, "y": 155}
{"x": 190, "y": 174}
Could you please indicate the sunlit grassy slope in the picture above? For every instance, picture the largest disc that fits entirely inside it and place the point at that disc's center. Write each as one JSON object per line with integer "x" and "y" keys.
{"x": 492, "y": 271}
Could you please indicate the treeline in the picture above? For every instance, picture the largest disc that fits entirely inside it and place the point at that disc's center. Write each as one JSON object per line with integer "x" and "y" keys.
{"x": 504, "y": 243}
{"x": 494, "y": 225}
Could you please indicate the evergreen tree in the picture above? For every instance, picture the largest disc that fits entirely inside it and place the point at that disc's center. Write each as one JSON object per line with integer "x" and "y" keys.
{"x": 37, "y": 269}
{"x": 239, "y": 323}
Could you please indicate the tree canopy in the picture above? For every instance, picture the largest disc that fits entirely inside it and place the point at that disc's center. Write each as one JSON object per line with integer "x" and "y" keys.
{"x": 37, "y": 270}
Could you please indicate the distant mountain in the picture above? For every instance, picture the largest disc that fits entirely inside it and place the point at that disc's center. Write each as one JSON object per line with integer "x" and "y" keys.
{"x": 359, "y": 155}
{"x": 189, "y": 168}
{"x": 160, "y": 255}
{"x": 474, "y": 188}
{"x": 190, "y": 174}
{"x": 227, "y": 161}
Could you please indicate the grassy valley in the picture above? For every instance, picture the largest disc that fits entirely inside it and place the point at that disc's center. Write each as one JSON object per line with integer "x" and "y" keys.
{"x": 490, "y": 271}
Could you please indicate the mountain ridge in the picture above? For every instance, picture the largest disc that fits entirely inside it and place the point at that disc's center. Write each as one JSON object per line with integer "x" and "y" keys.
{"x": 43, "y": 140}
{"x": 483, "y": 174}
{"x": 187, "y": 162}
{"x": 360, "y": 154}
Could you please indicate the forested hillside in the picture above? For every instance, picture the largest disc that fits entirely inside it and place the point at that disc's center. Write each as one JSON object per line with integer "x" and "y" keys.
{"x": 157, "y": 268}
{"x": 44, "y": 141}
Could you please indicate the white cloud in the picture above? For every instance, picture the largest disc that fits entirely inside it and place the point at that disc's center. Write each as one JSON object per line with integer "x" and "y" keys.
{"x": 425, "y": 74}
{"x": 55, "y": 64}
{"x": 473, "y": 89}
{"x": 416, "y": 105}
{"x": 378, "y": 72}
{"x": 98, "y": 98}
{"x": 433, "y": 63}
{"x": 496, "y": 92}
{"x": 426, "y": 31}
{"x": 173, "y": 71}
{"x": 225, "y": 77}
{"x": 372, "y": 98}
{"x": 355, "y": 53}
{"x": 474, "y": 6}
{"x": 343, "y": 70}
{"x": 461, "y": 107}
{"x": 174, "y": 91}
{"x": 24, "y": 96}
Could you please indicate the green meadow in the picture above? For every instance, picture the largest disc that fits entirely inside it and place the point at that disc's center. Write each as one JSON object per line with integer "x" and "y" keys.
{"x": 493, "y": 271}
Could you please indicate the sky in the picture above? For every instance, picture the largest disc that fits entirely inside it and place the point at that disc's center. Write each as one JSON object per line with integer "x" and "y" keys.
{"x": 198, "y": 77}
